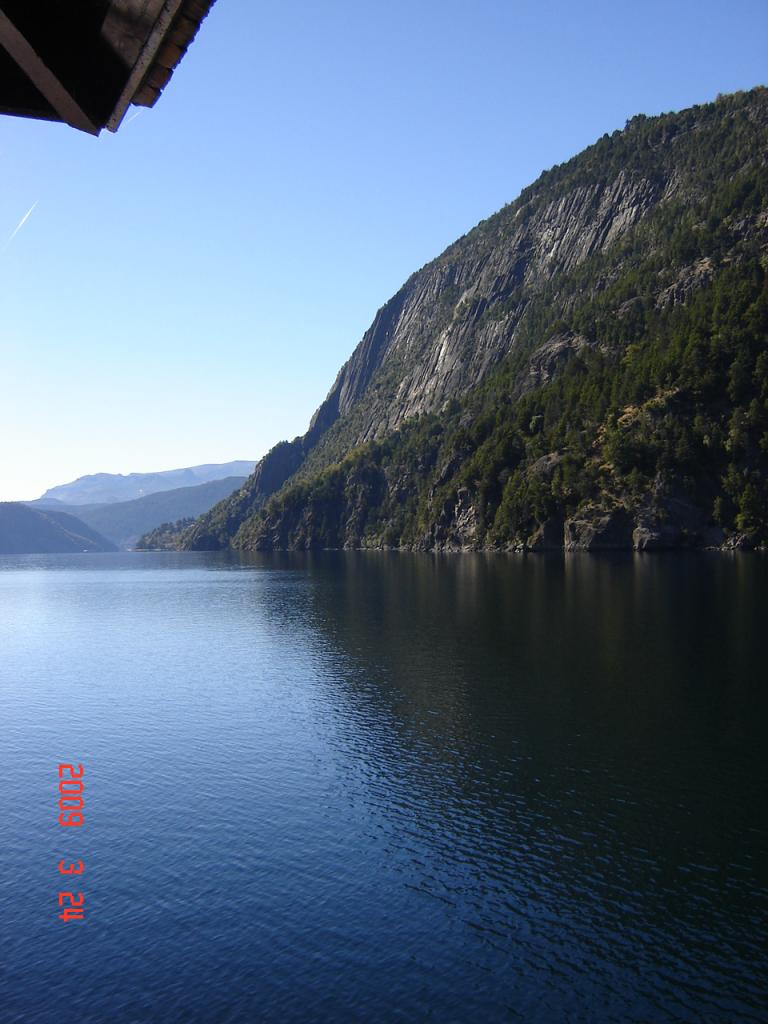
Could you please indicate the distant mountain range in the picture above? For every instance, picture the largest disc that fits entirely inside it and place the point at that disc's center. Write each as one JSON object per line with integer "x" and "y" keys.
{"x": 123, "y": 522}
{"x": 101, "y": 488}
{"x": 25, "y": 530}
{"x": 52, "y": 524}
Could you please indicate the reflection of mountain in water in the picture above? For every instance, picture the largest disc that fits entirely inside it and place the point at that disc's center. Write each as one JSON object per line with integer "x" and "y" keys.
{"x": 544, "y": 746}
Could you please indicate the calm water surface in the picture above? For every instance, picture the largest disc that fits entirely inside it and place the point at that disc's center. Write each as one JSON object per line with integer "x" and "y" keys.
{"x": 383, "y": 787}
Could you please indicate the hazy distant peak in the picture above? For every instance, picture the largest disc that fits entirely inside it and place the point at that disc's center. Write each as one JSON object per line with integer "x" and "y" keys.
{"x": 101, "y": 488}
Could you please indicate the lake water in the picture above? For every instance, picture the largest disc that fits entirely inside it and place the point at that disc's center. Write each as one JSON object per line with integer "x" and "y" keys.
{"x": 383, "y": 787}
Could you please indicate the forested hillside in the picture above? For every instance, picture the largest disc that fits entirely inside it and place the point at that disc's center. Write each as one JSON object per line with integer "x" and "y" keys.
{"x": 587, "y": 368}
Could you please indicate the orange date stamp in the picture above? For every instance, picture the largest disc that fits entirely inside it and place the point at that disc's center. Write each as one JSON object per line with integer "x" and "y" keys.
{"x": 71, "y": 815}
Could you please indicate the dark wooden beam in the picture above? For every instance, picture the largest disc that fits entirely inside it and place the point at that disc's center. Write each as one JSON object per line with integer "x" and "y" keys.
{"x": 41, "y": 76}
{"x": 144, "y": 61}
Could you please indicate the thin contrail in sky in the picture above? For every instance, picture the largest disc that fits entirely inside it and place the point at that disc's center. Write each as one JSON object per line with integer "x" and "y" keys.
{"x": 133, "y": 117}
{"x": 21, "y": 224}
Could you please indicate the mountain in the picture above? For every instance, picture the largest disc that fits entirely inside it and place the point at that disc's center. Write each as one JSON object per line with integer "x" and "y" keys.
{"x": 123, "y": 522}
{"x": 100, "y": 488}
{"x": 588, "y": 368}
{"x": 25, "y": 530}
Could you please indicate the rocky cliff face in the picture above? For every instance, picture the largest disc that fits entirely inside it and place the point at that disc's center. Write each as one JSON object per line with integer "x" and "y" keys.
{"x": 619, "y": 227}
{"x": 435, "y": 334}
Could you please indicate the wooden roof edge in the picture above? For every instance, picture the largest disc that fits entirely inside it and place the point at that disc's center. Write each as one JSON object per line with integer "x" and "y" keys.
{"x": 175, "y": 28}
{"x": 50, "y": 88}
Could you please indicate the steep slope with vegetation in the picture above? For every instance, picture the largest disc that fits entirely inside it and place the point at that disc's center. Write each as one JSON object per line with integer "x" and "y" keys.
{"x": 587, "y": 368}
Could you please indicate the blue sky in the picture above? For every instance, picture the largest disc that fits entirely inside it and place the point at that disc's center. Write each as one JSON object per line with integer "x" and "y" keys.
{"x": 186, "y": 290}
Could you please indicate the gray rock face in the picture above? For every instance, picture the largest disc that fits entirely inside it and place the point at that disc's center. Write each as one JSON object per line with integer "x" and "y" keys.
{"x": 549, "y": 359}
{"x": 688, "y": 280}
{"x": 456, "y": 528}
{"x": 664, "y": 537}
{"x": 668, "y": 521}
{"x": 599, "y": 531}
{"x": 740, "y": 542}
{"x": 550, "y": 536}
{"x": 431, "y": 341}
